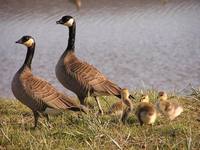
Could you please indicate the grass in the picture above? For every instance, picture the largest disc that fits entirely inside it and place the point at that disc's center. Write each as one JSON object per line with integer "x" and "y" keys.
{"x": 79, "y": 131}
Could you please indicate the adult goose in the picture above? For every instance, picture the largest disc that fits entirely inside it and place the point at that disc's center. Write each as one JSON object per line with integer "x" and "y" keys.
{"x": 79, "y": 76}
{"x": 39, "y": 95}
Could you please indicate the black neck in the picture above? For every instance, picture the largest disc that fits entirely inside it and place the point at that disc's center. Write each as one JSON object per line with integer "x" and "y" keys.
{"x": 29, "y": 56}
{"x": 71, "y": 39}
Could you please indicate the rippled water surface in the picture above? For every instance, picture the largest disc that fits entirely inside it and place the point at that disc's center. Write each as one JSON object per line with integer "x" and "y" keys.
{"x": 136, "y": 43}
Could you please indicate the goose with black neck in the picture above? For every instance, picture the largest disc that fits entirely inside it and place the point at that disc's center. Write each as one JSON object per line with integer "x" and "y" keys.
{"x": 36, "y": 93}
{"x": 78, "y": 76}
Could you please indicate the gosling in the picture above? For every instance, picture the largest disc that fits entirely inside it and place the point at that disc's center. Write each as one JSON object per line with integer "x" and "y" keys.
{"x": 168, "y": 108}
{"x": 123, "y": 108}
{"x": 146, "y": 112}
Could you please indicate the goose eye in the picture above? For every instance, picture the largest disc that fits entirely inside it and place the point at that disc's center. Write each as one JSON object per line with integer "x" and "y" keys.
{"x": 26, "y": 38}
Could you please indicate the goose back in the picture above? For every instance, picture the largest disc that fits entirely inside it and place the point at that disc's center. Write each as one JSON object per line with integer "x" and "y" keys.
{"x": 37, "y": 93}
{"x": 82, "y": 78}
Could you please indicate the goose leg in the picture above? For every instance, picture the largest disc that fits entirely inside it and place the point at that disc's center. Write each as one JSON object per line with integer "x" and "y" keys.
{"x": 47, "y": 117}
{"x": 120, "y": 117}
{"x": 99, "y": 105}
{"x": 82, "y": 100}
{"x": 125, "y": 116}
{"x": 141, "y": 122}
{"x": 36, "y": 116}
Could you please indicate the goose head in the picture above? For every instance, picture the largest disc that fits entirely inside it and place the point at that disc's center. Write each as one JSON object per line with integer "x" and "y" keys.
{"x": 26, "y": 40}
{"x": 66, "y": 21}
{"x": 124, "y": 93}
{"x": 162, "y": 96}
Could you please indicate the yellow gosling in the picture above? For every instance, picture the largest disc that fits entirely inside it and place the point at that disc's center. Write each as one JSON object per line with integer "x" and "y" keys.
{"x": 146, "y": 112}
{"x": 168, "y": 108}
{"x": 123, "y": 108}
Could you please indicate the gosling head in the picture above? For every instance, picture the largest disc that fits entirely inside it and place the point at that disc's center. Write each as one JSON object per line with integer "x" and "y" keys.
{"x": 162, "y": 95}
{"x": 124, "y": 93}
{"x": 26, "y": 40}
{"x": 66, "y": 21}
{"x": 144, "y": 98}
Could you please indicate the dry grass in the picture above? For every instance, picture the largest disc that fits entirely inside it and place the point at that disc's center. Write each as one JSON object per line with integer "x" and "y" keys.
{"x": 79, "y": 131}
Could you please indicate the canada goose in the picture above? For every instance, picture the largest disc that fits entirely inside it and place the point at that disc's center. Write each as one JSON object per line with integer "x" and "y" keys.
{"x": 39, "y": 95}
{"x": 168, "y": 108}
{"x": 123, "y": 108}
{"x": 145, "y": 112}
{"x": 79, "y": 76}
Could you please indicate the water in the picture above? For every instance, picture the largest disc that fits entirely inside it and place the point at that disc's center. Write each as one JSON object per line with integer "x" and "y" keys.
{"x": 135, "y": 43}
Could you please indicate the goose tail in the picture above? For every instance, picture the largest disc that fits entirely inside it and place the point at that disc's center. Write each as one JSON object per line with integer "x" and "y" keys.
{"x": 112, "y": 89}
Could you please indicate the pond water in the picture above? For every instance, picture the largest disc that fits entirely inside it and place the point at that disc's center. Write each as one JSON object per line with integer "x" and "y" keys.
{"x": 135, "y": 43}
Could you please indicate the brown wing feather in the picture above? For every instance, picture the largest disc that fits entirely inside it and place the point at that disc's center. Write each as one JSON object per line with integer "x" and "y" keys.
{"x": 44, "y": 93}
{"x": 91, "y": 79}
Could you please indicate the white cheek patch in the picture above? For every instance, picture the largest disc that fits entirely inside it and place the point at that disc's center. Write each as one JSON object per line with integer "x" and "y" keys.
{"x": 29, "y": 42}
{"x": 69, "y": 23}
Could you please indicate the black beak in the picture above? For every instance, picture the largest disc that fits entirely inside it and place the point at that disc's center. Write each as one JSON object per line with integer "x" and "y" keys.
{"x": 19, "y": 41}
{"x": 131, "y": 96}
{"x": 59, "y": 22}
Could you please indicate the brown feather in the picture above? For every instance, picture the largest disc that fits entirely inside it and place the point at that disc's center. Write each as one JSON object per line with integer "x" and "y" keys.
{"x": 84, "y": 78}
{"x": 38, "y": 93}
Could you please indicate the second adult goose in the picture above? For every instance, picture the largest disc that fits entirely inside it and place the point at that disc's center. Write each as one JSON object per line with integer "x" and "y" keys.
{"x": 79, "y": 76}
{"x": 36, "y": 93}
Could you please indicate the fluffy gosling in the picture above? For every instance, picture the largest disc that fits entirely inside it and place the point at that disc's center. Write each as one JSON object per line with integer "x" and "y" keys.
{"x": 146, "y": 112}
{"x": 123, "y": 108}
{"x": 168, "y": 108}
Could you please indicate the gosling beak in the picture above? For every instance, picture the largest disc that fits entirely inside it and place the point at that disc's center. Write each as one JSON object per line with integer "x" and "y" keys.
{"x": 59, "y": 22}
{"x": 19, "y": 41}
{"x": 131, "y": 96}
